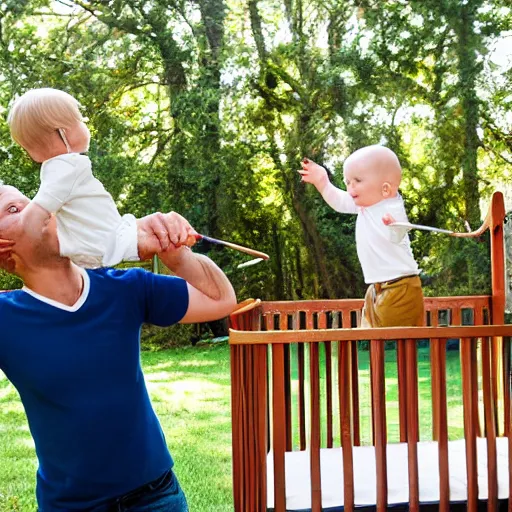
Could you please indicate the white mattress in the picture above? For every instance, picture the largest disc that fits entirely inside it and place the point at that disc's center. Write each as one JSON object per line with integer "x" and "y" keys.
{"x": 298, "y": 483}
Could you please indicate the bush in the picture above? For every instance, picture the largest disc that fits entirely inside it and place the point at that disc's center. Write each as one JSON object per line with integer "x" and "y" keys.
{"x": 157, "y": 338}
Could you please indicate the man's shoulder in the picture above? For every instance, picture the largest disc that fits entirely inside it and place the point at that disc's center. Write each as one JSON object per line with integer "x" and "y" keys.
{"x": 133, "y": 277}
{"x": 12, "y": 300}
{"x": 10, "y": 295}
{"x": 119, "y": 275}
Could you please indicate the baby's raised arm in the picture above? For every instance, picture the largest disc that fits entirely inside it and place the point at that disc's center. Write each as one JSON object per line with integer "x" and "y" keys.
{"x": 337, "y": 199}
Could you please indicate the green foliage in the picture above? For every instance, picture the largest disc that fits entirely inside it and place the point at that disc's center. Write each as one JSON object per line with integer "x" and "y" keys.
{"x": 207, "y": 109}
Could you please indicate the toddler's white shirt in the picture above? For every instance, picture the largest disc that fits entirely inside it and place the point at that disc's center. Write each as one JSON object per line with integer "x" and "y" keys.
{"x": 383, "y": 251}
{"x": 90, "y": 229}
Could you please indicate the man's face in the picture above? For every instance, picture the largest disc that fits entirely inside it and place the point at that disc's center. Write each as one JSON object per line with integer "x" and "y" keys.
{"x": 12, "y": 204}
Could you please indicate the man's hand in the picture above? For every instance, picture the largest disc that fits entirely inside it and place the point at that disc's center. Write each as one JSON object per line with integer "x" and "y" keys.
{"x": 6, "y": 259}
{"x": 314, "y": 174}
{"x": 163, "y": 232}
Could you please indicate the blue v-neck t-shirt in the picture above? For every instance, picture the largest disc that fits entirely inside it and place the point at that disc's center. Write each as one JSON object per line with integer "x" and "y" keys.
{"x": 77, "y": 370}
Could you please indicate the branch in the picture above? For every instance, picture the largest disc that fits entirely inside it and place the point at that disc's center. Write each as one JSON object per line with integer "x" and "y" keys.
{"x": 115, "y": 97}
{"x": 52, "y": 14}
{"x": 257, "y": 31}
{"x": 84, "y": 19}
{"x": 64, "y": 3}
{"x": 498, "y": 135}
{"x": 495, "y": 153}
{"x": 128, "y": 25}
{"x": 161, "y": 144}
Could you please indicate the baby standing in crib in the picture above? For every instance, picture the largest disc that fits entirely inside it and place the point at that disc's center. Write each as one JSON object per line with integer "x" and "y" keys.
{"x": 372, "y": 174}
{"x": 48, "y": 124}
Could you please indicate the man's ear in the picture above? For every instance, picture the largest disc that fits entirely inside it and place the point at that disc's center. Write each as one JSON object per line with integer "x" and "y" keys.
{"x": 386, "y": 189}
{"x": 7, "y": 263}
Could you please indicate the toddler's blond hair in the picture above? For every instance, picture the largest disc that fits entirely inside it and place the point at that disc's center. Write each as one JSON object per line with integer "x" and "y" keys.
{"x": 36, "y": 115}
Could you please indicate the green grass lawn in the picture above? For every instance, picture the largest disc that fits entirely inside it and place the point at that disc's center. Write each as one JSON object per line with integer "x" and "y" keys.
{"x": 190, "y": 389}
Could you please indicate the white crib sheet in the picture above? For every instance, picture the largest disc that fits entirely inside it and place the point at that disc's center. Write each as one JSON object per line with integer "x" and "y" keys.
{"x": 298, "y": 481}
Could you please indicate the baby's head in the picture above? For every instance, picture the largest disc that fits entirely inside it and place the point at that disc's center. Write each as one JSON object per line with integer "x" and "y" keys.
{"x": 47, "y": 122}
{"x": 372, "y": 173}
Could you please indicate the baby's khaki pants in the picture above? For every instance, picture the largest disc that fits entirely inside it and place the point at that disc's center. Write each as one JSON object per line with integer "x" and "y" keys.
{"x": 395, "y": 303}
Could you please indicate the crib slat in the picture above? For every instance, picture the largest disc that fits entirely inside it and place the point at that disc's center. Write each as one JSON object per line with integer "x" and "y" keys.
{"x": 510, "y": 466}
{"x": 468, "y": 370}
{"x": 478, "y": 316}
{"x": 345, "y": 393}
{"x": 478, "y": 319}
{"x": 439, "y": 361}
{"x": 250, "y": 466}
{"x": 248, "y": 461}
{"x": 260, "y": 425}
{"x": 490, "y": 426}
{"x": 283, "y": 326}
{"x": 379, "y": 420}
{"x": 346, "y": 323}
{"x": 322, "y": 324}
{"x": 237, "y": 428}
{"x": 506, "y": 384}
{"x": 309, "y": 320}
{"x": 402, "y": 389}
{"x": 301, "y": 398}
{"x": 328, "y": 397}
{"x": 412, "y": 422}
{"x": 457, "y": 320}
{"x": 496, "y": 369}
{"x": 355, "y": 394}
{"x": 434, "y": 372}
{"x": 316, "y": 490}
{"x": 278, "y": 426}
{"x": 455, "y": 316}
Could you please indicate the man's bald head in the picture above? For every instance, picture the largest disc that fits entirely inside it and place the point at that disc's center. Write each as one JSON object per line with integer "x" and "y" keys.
{"x": 9, "y": 188}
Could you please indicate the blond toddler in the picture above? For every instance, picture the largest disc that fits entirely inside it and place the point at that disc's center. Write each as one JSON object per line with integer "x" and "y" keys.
{"x": 47, "y": 123}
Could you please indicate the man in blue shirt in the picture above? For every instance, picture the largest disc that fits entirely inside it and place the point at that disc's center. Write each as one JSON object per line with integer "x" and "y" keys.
{"x": 70, "y": 344}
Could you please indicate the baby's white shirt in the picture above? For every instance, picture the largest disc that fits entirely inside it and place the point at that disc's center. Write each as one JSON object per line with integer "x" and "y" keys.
{"x": 383, "y": 251}
{"x": 90, "y": 229}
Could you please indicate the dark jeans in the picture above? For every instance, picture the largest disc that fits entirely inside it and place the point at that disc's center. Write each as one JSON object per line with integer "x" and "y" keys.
{"x": 162, "y": 495}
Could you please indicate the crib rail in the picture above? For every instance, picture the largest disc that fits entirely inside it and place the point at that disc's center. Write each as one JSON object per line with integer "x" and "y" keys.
{"x": 260, "y": 366}
{"x": 319, "y": 314}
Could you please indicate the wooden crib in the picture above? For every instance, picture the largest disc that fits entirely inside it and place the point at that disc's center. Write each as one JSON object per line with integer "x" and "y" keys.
{"x": 300, "y": 442}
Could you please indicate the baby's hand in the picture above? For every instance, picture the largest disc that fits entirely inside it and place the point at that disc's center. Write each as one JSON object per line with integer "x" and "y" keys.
{"x": 313, "y": 173}
{"x": 388, "y": 219}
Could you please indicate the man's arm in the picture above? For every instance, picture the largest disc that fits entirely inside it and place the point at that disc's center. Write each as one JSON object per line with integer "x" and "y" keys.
{"x": 211, "y": 295}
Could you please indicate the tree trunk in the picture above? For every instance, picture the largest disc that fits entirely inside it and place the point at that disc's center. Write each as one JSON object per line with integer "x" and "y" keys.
{"x": 468, "y": 72}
